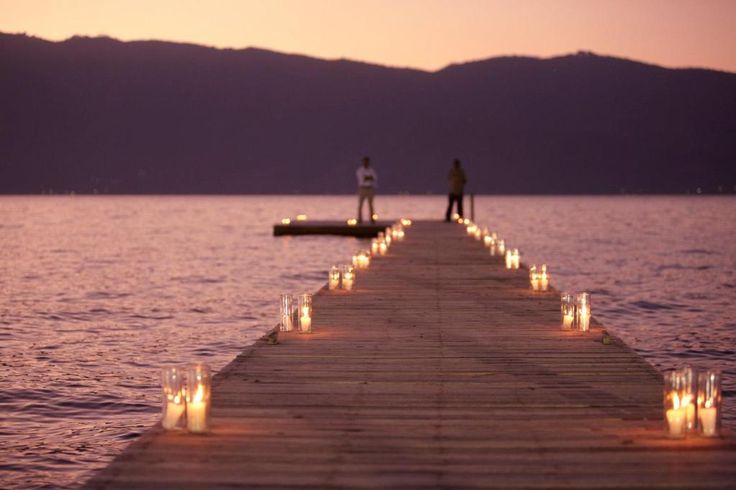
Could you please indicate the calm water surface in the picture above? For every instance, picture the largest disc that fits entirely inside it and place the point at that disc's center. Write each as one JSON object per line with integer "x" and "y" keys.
{"x": 98, "y": 292}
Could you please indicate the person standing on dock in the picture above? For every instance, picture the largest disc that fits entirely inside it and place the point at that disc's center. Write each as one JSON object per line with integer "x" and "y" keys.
{"x": 456, "y": 181}
{"x": 366, "y": 188}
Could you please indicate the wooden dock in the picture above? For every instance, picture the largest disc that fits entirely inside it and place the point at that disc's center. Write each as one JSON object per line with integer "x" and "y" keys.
{"x": 342, "y": 228}
{"x": 441, "y": 370}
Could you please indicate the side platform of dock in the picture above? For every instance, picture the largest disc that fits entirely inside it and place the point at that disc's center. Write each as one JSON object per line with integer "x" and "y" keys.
{"x": 440, "y": 370}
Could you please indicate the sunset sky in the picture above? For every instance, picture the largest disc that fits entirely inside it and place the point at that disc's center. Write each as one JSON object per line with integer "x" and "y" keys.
{"x": 426, "y": 34}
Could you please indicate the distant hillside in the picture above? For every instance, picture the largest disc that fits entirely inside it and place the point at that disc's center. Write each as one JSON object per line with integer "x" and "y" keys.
{"x": 157, "y": 117}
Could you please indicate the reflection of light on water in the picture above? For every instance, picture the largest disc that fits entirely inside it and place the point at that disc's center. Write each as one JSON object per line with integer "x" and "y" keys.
{"x": 114, "y": 287}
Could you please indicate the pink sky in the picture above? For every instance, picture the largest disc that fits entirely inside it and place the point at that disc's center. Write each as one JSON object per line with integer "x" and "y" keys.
{"x": 426, "y": 34}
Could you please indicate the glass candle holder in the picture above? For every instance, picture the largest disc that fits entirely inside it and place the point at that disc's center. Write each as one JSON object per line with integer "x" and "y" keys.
{"x": 567, "y": 310}
{"x": 382, "y": 247}
{"x": 488, "y": 240}
{"x": 348, "y": 277}
{"x": 582, "y": 312}
{"x": 689, "y": 381}
{"x": 199, "y": 387}
{"x": 533, "y": 277}
{"x": 512, "y": 258}
{"x": 374, "y": 246}
{"x": 334, "y": 277}
{"x": 709, "y": 403}
{"x": 305, "y": 313}
{"x": 387, "y": 236}
{"x": 471, "y": 229}
{"x": 478, "y": 233}
{"x": 543, "y": 278}
{"x": 286, "y": 320}
{"x": 500, "y": 247}
{"x": 405, "y": 222}
{"x": 678, "y": 403}
{"x": 174, "y": 402}
{"x": 364, "y": 259}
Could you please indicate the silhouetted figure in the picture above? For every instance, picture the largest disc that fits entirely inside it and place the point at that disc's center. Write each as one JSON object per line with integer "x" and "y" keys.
{"x": 366, "y": 188}
{"x": 456, "y": 182}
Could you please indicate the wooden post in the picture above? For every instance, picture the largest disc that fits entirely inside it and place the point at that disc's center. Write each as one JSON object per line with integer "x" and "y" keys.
{"x": 472, "y": 207}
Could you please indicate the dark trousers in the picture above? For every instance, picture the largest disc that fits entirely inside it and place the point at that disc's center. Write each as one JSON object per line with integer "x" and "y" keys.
{"x": 458, "y": 198}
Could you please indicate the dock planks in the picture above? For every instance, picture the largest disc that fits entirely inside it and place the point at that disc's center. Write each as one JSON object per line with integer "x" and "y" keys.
{"x": 441, "y": 370}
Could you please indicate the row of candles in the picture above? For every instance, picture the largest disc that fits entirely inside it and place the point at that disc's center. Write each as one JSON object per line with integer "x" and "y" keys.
{"x": 296, "y": 313}
{"x": 575, "y": 308}
{"x": 692, "y": 400}
{"x": 187, "y": 389}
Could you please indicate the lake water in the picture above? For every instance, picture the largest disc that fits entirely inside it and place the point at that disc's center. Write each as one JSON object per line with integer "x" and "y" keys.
{"x": 98, "y": 292}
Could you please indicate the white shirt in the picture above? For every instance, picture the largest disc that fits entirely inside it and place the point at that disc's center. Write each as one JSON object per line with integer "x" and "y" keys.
{"x": 366, "y": 177}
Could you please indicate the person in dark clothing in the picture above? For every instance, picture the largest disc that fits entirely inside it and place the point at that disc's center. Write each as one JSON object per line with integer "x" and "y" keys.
{"x": 456, "y": 181}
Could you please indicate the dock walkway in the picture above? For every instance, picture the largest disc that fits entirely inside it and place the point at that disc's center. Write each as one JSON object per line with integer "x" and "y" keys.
{"x": 441, "y": 370}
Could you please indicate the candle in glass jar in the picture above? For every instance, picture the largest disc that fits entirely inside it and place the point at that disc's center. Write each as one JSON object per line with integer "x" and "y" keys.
{"x": 174, "y": 410}
{"x": 198, "y": 398}
{"x": 305, "y": 321}
{"x": 305, "y": 313}
{"x": 676, "y": 420}
{"x": 709, "y": 402}
{"x": 543, "y": 278}
{"x": 334, "y": 277}
{"x": 582, "y": 316}
{"x": 197, "y": 412}
{"x": 708, "y": 417}
{"x": 348, "y": 277}
{"x": 533, "y": 277}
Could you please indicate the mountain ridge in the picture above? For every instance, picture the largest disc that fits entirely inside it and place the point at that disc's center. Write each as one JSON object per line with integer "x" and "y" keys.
{"x": 98, "y": 114}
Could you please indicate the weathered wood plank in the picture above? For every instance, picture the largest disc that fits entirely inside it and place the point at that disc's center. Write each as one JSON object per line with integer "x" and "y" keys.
{"x": 441, "y": 370}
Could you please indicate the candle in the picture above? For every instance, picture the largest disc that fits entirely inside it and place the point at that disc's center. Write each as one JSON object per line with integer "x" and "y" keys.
{"x": 173, "y": 412}
{"x": 567, "y": 320}
{"x": 582, "y": 307}
{"x": 352, "y": 222}
{"x": 406, "y": 222}
{"x": 676, "y": 422}
{"x": 500, "y": 247}
{"x": 305, "y": 323}
{"x": 374, "y": 246}
{"x": 709, "y": 402}
{"x": 488, "y": 240}
{"x": 305, "y": 313}
{"x": 512, "y": 259}
{"x": 285, "y": 221}
{"x": 348, "y": 276}
{"x": 301, "y": 217}
{"x": 382, "y": 248}
{"x": 198, "y": 398}
{"x": 543, "y": 278}
{"x": 708, "y": 418}
{"x": 334, "y": 277}
{"x": 533, "y": 278}
{"x": 347, "y": 281}
{"x": 197, "y": 412}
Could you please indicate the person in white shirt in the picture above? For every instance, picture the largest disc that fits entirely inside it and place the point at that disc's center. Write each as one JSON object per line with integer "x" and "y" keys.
{"x": 366, "y": 188}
